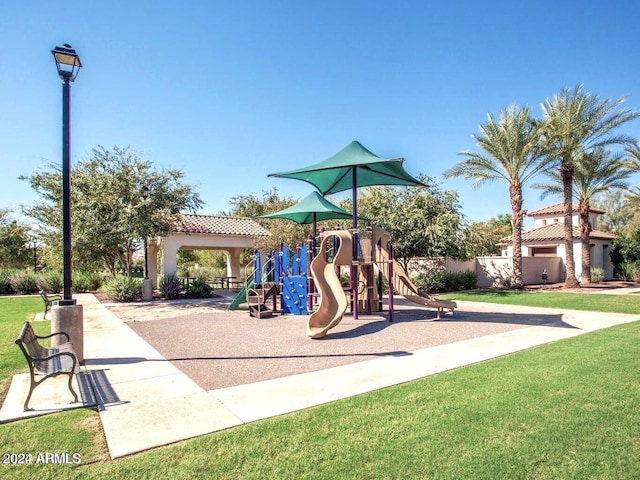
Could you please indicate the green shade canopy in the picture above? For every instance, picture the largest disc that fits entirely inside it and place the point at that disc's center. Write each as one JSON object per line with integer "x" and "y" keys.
{"x": 310, "y": 209}
{"x": 353, "y": 166}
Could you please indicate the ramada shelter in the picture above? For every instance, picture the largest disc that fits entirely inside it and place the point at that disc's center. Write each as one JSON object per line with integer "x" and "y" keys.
{"x": 205, "y": 232}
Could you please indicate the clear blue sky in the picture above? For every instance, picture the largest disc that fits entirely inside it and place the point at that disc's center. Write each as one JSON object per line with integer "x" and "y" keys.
{"x": 232, "y": 91}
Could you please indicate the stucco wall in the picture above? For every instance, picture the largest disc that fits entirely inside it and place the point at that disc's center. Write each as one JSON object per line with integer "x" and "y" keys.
{"x": 495, "y": 271}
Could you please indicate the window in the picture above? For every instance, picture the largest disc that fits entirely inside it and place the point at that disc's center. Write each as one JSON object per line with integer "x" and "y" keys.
{"x": 543, "y": 251}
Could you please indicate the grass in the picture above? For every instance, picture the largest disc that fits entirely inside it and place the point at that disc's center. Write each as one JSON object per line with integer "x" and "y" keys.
{"x": 15, "y": 311}
{"x": 595, "y": 302}
{"x": 564, "y": 410}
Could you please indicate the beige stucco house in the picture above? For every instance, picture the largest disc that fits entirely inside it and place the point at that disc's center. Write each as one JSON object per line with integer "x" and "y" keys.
{"x": 546, "y": 239}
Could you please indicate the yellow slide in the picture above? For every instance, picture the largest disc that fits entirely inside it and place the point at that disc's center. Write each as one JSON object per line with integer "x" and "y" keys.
{"x": 333, "y": 301}
{"x": 401, "y": 282}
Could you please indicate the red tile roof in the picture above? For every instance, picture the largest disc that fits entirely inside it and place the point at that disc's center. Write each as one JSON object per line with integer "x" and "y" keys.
{"x": 221, "y": 225}
{"x": 558, "y": 209}
{"x": 555, "y": 231}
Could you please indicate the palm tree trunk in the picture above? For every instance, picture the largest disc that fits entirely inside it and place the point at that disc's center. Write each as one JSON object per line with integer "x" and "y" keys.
{"x": 566, "y": 173}
{"x": 515, "y": 193}
{"x": 585, "y": 241}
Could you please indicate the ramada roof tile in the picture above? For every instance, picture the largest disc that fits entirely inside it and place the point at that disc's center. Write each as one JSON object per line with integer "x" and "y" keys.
{"x": 558, "y": 209}
{"x": 221, "y": 225}
{"x": 555, "y": 231}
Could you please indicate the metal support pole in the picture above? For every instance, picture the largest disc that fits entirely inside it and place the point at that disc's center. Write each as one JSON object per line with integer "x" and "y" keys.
{"x": 281, "y": 273}
{"x": 66, "y": 194}
{"x": 146, "y": 260}
{"x": 379, "y": 246}
{"x": 353, "y": 272}
{"x": 390, "y": 247}
{"x": 310, "y": 286}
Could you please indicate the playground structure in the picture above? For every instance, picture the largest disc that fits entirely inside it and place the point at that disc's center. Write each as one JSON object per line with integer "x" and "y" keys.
{"x": 325, "y": 271}
{"x": 401, "y": 281}
{"x": 312, "y": 284}
{"x": 282, "y": 275}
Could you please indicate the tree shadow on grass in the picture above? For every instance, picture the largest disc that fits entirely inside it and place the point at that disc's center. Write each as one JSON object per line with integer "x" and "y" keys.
{"x": 459, "y": 316}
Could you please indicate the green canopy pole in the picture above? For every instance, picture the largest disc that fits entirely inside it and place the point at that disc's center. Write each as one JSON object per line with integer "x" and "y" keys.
{"x": 354, "y": 267}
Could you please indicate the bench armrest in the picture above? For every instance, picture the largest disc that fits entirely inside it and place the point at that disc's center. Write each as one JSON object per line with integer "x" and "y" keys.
{"x": 54, "y": 334}
{"x": 56, "y": 355}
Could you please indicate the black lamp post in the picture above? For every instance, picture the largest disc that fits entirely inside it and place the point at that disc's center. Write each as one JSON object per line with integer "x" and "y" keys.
{"x": 68, "y": 65}
{"x": 145, "y": 196}
{"x": 35, "y": 255}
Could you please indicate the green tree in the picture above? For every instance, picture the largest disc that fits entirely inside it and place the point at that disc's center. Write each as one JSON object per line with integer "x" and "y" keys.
{"x": 14, "y": 242}
{"x": 595, "y": 172}
{"x": 282, "y": 231}
{"x": 632, "y": 205}
{"x": 576, "y": 121}
{"x": 616, "y": 217}
{"x": 626, "y": 254}
{"x": 510, "y": 155}
{"x": 482, "y": 238}
{"x": 423, "y": 222}
{"x": 110, "y": 216}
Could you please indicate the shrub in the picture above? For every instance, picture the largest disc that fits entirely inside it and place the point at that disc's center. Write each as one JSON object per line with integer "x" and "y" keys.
{"x": 597, "y": 275}
{"x": 451, "y": 282}
{"x": 170, "y": 286}
{"x": 468, "y": 279}
{"x": 185, "y": 270}
{"x": 5, "y": 282}
{"x": 198, "y": 288}
{"x": 632, "y": 271}
{"x": 51, "y": 281}
{"x": 506, "y": 282}
{"x": 438, "y": 281}
{"x": 430, "y": 281}
{"x": 212, "y": 272}
{"x": 122, "y": 288}
{"x": 454, "y": 281}
{"x": 23, "y": 282}
{"x": 87, "y": 281}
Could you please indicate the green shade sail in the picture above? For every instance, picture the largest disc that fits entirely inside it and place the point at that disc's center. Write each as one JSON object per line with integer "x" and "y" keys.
{"x": 352, "y": 167}
{"x": 313, "y": 208}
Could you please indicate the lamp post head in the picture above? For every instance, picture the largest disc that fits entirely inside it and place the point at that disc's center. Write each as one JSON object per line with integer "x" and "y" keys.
{"x": 67, "y": 62}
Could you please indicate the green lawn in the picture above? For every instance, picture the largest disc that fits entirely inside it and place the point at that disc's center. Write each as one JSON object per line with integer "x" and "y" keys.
{"x": 593, "y": 302}
{"x": 564, "y": 410}
{"x": 14, "y": 312}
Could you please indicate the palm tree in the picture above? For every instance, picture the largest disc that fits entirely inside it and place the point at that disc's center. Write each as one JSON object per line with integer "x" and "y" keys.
{"x": 510, "y": 155}
{"x": 595, "y": 172}
{"x": 574, "y": 121}
{"x": 634, "y": 155}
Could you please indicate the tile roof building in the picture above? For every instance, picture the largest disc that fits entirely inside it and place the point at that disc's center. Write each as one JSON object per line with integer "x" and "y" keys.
{"x": 546, "y": 239}
{"x": 220, "y": 225}
{"x": 205, "y": 232}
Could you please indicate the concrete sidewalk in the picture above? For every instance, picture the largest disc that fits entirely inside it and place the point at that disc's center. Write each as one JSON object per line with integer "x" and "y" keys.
{"x": 145, "y": 402}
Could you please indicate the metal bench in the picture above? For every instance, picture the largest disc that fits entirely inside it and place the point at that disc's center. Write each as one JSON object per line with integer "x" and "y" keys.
{"x": 47, "y": 362}
{"x": 48, "y": 300}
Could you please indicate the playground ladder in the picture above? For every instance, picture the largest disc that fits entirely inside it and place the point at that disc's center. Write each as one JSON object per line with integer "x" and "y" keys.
{"x": 257, "y": 297}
